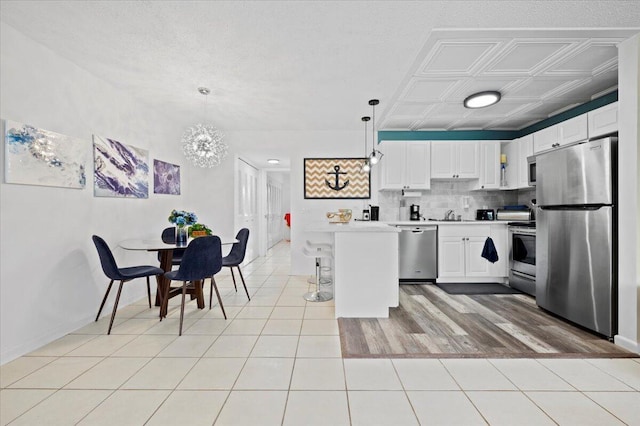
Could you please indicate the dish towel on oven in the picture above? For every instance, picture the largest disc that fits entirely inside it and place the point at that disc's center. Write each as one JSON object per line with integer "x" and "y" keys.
{"x": 489, "y": 251}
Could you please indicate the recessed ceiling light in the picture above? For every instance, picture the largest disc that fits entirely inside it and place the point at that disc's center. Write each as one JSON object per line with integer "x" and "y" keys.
{"x": 273, "y": 161}
{"x": 482, "y": 99}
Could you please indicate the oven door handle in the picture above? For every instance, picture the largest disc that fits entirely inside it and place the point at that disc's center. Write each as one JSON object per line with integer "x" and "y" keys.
{"x": 521, "y": 275}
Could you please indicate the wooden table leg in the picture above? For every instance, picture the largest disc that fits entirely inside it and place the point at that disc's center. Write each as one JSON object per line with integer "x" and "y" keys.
{"x": 197, "y": 290}
{"x": 166, "y": 263}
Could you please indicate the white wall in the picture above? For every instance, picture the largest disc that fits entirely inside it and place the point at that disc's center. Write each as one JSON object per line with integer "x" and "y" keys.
{"x": 305, "y": 212}
{"x": 628, "y": 199}
{"x": 51, "y": 282}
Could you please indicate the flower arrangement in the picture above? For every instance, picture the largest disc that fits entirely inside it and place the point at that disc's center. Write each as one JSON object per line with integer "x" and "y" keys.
{"x": 199, "y": 230}
{"x": 181, "y": 218}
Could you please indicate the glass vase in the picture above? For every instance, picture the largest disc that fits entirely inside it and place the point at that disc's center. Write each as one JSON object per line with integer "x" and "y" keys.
{"x": 181, "y": 236}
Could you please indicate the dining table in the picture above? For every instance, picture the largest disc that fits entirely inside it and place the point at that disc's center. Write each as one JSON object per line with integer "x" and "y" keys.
{"x": 166, "y": 264}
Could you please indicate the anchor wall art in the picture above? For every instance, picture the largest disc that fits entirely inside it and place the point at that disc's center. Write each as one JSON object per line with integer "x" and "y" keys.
{"x": 119, "y": 170}
{"x": 331, "y": 178}
{"x": 35, "y": 156}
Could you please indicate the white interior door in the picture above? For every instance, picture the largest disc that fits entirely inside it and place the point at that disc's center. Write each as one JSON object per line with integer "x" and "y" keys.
{"x": 274, "y": 213}
{"x": 247, "y": 202}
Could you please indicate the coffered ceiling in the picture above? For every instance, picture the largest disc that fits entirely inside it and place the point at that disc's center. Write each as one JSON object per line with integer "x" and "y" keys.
{"x": 298, "y": 66}
{"x": 539, "y": 74}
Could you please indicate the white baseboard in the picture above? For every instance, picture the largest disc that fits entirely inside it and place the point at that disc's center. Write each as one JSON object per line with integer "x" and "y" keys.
{"x": 42, "y": 339}
{"x": 49, "y": 335}
{"x": 626, "y": 343}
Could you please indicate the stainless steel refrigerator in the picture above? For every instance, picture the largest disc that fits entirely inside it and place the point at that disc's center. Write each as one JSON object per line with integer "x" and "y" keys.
{"x": 576, "y": 234}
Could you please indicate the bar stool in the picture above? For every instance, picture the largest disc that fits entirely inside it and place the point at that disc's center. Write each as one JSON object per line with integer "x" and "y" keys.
{"x": 324, "y": 280}
{"x": 317, "y": 296}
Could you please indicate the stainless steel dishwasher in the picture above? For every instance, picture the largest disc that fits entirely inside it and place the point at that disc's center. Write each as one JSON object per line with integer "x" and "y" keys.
{"x": 418, "y": 252}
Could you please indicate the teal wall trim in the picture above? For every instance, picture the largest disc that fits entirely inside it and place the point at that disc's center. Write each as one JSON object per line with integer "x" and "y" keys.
{"x": 457, "y": 135}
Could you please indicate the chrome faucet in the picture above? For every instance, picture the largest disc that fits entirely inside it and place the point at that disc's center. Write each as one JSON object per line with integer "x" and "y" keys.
{"x": 449, "y": 215}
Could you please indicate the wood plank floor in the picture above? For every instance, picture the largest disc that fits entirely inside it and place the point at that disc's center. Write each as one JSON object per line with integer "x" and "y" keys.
{"x": 430, "y": 323}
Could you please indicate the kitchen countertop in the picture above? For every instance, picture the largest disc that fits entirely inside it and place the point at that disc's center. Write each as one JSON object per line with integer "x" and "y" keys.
{"x": 447, "y": 222}
{"x": 353, "y": 226}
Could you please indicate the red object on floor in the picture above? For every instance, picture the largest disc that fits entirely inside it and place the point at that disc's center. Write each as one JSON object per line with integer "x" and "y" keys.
{"x": 287, "y": 217}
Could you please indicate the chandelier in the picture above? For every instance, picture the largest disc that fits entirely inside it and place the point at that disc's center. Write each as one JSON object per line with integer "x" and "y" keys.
{"x": 202, "y": 144}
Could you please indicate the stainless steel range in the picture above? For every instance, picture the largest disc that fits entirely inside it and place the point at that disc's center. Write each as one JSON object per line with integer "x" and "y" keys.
{"x": 522, "y": 256}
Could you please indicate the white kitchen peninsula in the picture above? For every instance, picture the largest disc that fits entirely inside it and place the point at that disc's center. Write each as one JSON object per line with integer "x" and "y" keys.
{"x": 365, "y": 268}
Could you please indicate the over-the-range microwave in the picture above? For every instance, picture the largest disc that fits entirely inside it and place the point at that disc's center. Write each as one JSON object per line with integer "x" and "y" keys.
{"x": 531, "y": 170}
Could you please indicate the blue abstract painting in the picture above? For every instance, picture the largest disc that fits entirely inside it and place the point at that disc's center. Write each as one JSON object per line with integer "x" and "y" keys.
{"x": 119, "y": 170}
{"x": 166, "y": 178}
{"x": 39, "y": 157}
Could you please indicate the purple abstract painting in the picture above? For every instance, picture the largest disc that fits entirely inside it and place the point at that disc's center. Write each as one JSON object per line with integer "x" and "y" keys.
{"x": 166, "y": 178}
{"x": 119, "y": 170}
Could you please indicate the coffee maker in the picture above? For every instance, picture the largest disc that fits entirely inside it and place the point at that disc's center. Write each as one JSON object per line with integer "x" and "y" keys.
{"x": 375, "y": 212}
{"x": 414, "y": 212}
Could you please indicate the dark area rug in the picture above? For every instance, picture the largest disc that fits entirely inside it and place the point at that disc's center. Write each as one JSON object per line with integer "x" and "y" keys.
{"x": 477, "y": 288}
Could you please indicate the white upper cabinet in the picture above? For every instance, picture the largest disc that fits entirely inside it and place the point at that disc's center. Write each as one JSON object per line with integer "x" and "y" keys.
{"x": 545, "y": 139}
{"x": 392, "y": 165}
{"x": 406, "y": 165}
{"x": 455, "y": 160}
{"x": 517, "y": 152}
{"x": 443, "y": 160}
{"x": 418, "y": 163}
{"x": 468, "y": 164}
{"x": 511, "y": 150}
{"x": 603, "y": 121}
{"x": 573, "y": 130}
{"x": 525, "y": 149}
{"x": 564, "y": 133}
{"x": 489, "y": 165}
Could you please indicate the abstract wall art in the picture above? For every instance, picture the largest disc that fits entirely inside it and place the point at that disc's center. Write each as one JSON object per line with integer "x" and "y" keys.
{"x": 166, "y": 178}
{"x": 119, "y": 170}
{"x": 331, "y": 178}
{"x": 35, "y": 156}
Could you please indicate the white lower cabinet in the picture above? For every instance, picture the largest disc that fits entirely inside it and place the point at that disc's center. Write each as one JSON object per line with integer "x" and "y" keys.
{"x": 460, "y": 249}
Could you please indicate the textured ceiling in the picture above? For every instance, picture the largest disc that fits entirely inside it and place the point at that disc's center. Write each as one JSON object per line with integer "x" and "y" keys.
{"x": 297, "y": 65}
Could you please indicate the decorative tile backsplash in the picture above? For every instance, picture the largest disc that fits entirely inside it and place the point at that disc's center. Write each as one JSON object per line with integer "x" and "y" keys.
{"x": 444, "y": 196}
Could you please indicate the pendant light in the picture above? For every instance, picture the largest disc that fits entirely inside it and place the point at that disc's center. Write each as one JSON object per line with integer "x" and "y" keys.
{"x": 375, "y": 155}
{"x": 366, "y": 167}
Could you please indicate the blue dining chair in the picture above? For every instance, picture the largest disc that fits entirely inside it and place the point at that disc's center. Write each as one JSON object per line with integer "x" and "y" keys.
{"x": 169, "y": 237}
{"x": 236, "y": 257}
{"x": 111, "y": 270}
{"x": 202, "y": 259}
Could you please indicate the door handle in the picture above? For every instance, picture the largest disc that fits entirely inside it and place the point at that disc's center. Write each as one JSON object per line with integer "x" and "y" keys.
{"x": 521, "y": 275}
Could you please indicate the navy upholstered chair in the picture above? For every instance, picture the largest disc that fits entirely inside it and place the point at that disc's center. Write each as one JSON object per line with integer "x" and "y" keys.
{"x": 236, "y": 257}
{"x": 169, "y": 237}
{"x": 111, "y": 270}
{"x": 202, "y": 259}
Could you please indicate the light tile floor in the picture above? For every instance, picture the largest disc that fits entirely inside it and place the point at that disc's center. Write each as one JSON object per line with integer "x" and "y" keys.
{"x": 276, "y": 361}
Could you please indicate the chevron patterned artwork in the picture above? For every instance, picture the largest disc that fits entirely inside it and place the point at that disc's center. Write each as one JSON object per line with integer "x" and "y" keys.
{"x": 330, "y": 178}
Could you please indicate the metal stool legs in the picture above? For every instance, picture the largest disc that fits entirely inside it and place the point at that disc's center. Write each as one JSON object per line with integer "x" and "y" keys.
{"x": 318, "y": 296}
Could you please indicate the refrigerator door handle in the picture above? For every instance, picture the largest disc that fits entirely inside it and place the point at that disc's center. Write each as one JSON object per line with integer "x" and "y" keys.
{"x": 585, "y": 207}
